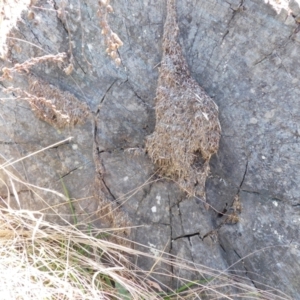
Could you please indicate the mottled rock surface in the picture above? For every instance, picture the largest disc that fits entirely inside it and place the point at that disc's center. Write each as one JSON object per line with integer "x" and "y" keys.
{"x": 245, "y": 54}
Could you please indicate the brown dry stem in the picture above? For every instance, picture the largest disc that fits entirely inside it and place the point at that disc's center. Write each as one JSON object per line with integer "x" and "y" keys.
{"x": 56, "y": 107}
{"x": 26, "y": 65}
{"x": 112, "y": 40}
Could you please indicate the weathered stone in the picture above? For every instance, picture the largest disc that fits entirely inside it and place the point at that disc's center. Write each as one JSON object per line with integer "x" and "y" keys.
{"x": 294, "y": 6}
{"x": 245, "y": 54}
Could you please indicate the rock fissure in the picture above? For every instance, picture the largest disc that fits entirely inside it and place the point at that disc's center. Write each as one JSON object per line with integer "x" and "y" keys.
{"x": 268, "y": 196}
{"x": 286, "y": 70}
{"x": 264, "y": 58}
{"x": 110, "y": 193}
{"x": 19, "y": 191}
{"x": 187, "y": 236}
{"x": 222, "y": 247}
{"x": 74, "y": 59}
{"x": 87, "y": 10}
{"x": 164, "y": 224}
{"x": 147, "y": 192}
{"x": 235, "y": 11}
{"x": 274, "y": 52}
{"x": 61, "y": 17}
{"x": 67, "y": 142}
{"x": 180, "y": 218}
{"x": 230, "y": 213}
{"x": 120, "y": 57}
{"x": 171, "y": 222}
{"x": 244, "y": 176}
{"x": 250, "y": 192}
{"x": 246, "y": 270}
{"x": 195, "y": 35}
{"x": 114, "y": 199}
{"x": 104, "y": 96}
{"x": 234, "y": 210}
{"x": 36, "y": 37}
{"x": 108, "y": 207}
{"x": 70, "y": 172}
{"x": 211, "y": 55}
{"x": 222, "y": 40}
{"x": 11, "y": 143}
{"x": 148, "y": 106}
{"x": 127, "y": 33}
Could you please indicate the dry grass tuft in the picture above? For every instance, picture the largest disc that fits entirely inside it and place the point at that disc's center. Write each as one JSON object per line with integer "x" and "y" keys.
{"x": 54, "y": 106}
{"x": 47, "y": 261}
{"x": 44, "y": 260}
{"x": 50, "y": 104}
{"x": 187, "y": 130}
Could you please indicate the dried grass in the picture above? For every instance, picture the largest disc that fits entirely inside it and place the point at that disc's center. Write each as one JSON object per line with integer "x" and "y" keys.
{"x": 47, "y": 261}
{"x": 43, "y": 260}
{"x": 50, "y": 104}
{"x": 187, "y": 130}
{"x": 54, "y": 106}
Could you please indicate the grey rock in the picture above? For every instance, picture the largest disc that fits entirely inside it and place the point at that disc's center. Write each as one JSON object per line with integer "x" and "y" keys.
{"x": 294, "y": 6}
{"x": 244, "y": 54}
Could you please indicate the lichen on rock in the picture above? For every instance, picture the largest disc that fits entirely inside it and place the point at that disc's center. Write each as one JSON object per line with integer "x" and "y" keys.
{"x": 187, "y": 130}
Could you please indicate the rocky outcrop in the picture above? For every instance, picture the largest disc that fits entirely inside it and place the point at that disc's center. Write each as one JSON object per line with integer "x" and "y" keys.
{"x": 244, "y": 54}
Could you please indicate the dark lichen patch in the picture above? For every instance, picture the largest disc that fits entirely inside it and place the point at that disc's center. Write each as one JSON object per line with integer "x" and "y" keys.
{"x": 187, "y": 130}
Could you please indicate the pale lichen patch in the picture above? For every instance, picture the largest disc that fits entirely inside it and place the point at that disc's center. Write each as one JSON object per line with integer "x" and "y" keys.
{"x": 253, "y": 121}
{"x": 158, "y": 198}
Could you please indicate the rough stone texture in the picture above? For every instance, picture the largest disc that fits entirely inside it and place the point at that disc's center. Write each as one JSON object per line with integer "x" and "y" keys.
{"x": 245, "y": 54}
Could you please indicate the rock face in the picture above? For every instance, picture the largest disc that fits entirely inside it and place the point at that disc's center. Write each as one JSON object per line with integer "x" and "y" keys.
{"x": 245, "y": 56}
